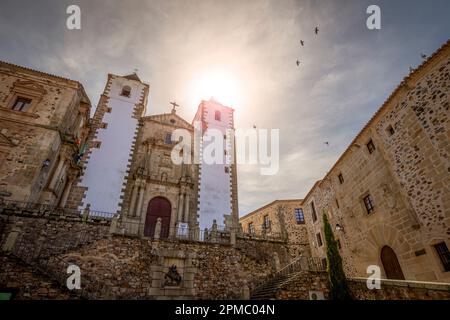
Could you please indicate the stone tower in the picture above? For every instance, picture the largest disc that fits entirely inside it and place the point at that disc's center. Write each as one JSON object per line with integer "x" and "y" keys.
{"x": 112, "y": 140}
{"x": 217, "y": 181}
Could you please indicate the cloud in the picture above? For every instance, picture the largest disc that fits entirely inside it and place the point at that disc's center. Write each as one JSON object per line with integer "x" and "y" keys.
{"x": 346, "y": 71}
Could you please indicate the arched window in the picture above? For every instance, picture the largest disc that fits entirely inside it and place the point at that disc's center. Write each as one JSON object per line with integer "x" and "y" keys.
{"x": 217, "y": 115}
{"x": 126, "y": 91}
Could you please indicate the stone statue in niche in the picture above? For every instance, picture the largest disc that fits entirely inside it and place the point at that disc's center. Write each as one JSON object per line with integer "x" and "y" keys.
{"x": 172, "y": 277}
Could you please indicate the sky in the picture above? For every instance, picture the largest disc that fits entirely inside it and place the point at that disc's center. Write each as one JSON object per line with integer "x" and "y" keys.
{"x": 182, "y": 47}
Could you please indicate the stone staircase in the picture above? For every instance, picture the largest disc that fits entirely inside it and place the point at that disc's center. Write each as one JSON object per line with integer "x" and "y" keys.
{"x": 276, "y": 281}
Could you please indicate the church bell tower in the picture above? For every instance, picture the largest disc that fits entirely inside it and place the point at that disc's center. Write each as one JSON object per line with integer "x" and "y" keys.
{"x": 113, "y": 135}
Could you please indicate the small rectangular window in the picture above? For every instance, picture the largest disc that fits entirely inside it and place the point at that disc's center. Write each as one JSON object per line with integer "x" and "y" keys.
{"x": 444, "y": 255}
{"x": 341, "y": 178}
{"x": 324, "y": 263}
{"x": 370, "y": 146}
{"x": 168, "y": 139}
{"x": 299, "y": 216}
{"x": 319, "y": 239}
{"x": 368, "y": 203}
{"x": 266, "y": 224}
{"x": 251, "y": 228}
{"x": 96, "y": 144}
{"x": 21, "y": 104}
{"x": 227, "y": 170}
{"x": 390, "y": 130}
{"x": 313, "y": 212}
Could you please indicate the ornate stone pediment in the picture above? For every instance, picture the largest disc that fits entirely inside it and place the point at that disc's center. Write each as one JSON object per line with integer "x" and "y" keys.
{"x": 29, "y": 87}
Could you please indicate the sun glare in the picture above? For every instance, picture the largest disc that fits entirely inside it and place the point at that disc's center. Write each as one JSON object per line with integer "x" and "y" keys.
{"x": 219, "y": 85}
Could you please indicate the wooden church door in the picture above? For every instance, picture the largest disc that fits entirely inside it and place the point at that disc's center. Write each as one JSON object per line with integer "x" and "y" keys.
{"x": 158, "y": 207}
{"x": 390, "y": 264}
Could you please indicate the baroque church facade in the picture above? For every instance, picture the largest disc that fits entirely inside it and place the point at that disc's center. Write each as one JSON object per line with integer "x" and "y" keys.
{"x": 129, "y": 170}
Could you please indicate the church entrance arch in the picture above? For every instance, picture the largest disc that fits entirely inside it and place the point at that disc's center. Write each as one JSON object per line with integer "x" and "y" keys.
{"x": 390, "y": 264}
{"x": 158, "y": 207}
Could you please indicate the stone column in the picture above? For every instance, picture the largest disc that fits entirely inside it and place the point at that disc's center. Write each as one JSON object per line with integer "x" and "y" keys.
{"x": 56, "y": 174}
{"x": 180, "y": 208}
{"x": 133, "y": 200}
{"x": 66, "y": 192}
{"x": 140, "y": 200}
{"x": 186, "y": 208}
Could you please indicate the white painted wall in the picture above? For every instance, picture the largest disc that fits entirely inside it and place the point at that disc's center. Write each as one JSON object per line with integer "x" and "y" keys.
{"x": 106, "y": 169}
{"x": 215, "y": 184}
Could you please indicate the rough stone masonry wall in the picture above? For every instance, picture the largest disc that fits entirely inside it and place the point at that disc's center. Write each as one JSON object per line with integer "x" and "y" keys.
{"x": 49, "y": 235}
{"x": 33, "y": 133}
{"x": 120, "y": 267}
{"x": 407, "y": 176}
{"x": 301, "y": 285}
{"x": 400, "y": 290}
{"x": 27, "y": 283}
{"x": 281, "y": 214}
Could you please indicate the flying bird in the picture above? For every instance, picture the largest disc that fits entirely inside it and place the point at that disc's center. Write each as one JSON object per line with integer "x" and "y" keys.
{"x": 302, "y": 42}
{"x": 424, "y": 56}
{"x": 316, "y": 30}
{"x": 327, "y": 143}
{"x": 254, "y": 126}
{"x": 298, "y": 63}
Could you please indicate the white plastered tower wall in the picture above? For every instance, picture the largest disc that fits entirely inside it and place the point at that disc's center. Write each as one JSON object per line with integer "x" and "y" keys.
{"x": 115, "y": 125}
{"x": 217, "y": 199}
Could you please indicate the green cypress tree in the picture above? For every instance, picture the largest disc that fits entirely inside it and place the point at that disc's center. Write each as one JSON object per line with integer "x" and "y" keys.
{"x": 338, "y": 282}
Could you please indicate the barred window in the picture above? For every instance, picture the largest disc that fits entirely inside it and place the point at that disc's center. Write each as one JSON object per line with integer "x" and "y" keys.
{"x": 251, "y": 228}
{"x": 444, "y": 255}
{"x": 369, "y": 204}
{"x": 266, "y": 224}
{"x": 370, "y": 146}
{"x": 299, "y": 216}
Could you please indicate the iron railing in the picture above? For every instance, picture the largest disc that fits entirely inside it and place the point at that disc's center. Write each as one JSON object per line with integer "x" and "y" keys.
{"x": 264, "y": 235}
{"x": 302, "y": 263}
{"x": 217, "y": 234}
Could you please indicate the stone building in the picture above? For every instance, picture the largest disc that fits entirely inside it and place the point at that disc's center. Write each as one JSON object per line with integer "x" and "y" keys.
{"x": 157, "y": 188}
{"x": 44, "y": 124}
{"x": 388, "y": 195}
{"x": 283, "y": 219}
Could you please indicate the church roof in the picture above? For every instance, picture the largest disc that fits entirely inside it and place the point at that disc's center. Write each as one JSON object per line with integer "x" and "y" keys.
{"x": 133, "y": 76}
{"x": 165, "y": 118}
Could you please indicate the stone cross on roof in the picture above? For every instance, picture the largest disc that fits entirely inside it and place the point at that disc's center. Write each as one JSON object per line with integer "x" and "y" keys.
{"x": 174, "y": 105}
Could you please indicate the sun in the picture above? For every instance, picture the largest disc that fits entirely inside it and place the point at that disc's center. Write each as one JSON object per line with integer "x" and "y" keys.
{"x": 220, "y": 85}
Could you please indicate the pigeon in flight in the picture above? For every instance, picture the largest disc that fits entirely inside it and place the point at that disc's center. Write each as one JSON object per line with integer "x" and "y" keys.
{"x": 316, "y": 30}
{"x": 327, "y": 143}
{"x": 298, "y": 63}
{"x": 302, "y": 42}
{"x": 254, "y": 126}
{"x": 424, "y": 56}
